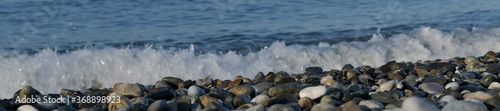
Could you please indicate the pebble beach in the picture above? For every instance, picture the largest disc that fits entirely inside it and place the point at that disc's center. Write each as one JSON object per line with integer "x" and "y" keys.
{"x": 455, "y": 84}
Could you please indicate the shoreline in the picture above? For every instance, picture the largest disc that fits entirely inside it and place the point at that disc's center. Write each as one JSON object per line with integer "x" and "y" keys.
{"x": 431, "y": 85}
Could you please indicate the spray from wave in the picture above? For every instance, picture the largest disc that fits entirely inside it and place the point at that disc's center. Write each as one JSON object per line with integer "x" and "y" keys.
{"x": 49, "y": 71}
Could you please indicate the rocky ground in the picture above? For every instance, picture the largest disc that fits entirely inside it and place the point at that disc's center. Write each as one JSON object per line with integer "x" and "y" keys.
{"x": 456, "y": 84}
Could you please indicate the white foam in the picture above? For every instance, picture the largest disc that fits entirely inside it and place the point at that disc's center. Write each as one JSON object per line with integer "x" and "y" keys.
{"x": 49, "y": 72}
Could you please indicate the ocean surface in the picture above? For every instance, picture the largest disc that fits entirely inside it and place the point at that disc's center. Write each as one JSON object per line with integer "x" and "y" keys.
{"x": 75, "y": 44}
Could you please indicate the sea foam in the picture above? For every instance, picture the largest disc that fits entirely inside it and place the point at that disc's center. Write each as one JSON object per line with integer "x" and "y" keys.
{"x": 49, "y": 71}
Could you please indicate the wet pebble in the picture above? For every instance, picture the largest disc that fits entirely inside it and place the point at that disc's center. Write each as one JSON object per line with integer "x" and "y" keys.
{"x": 464, "y": 106}
{"x": 127, "y": 89}
{"x": 312, "y": 92}
{"x": 431, "y": 88}
{"x": 479, "y": 95}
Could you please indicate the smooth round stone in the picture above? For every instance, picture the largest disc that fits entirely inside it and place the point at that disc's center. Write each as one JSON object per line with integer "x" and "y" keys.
{"x": 283, "y": 89}
{"x": 313, "y": 92}
{"x": 47, "y": 105}
{"x": 479, "y": 95}
{"x": 469, "y": 75}
{"x": 487, "y": 80}
{"x": 294, "y": 106}
{"x": 142, "y": 100}
{"x": 391, "y": 106}
{"x": 161, "y": 84}
{"x": 258, "y": 107}
{"x": 446, "y": 99}
{"x": 431, "y": 88}
{"x": 259, "y": 77}
{"x": 323, "y": 107}
{"x": 374, "y": 105}
{"x": 241, "y": 99}
{"x": 184, "y": 103}
{"x": 159, "y": 105}
{"x": 205, "y": 82}
{"x": 280, "y": 107}
{"x": 66, "y": 108}
{"x": 325, "y": 78}
{"x": 263, "y": 85}
{"x": 127, "y": 89}
{"x": 353, "y": 108}
{"x": 242, "y": 89}
{"x": 305, "y": 102}
{"x": 161, "y": 94}
{"x": 418, "y": 104}
{"x": 261, "y": 99}
{"x": 439, "y": 80}
{"x": 387, "y": 85}
{"x": 283, "y": 79}
{"x": 453, "y": 85}
{"x": 314, "y": 70}
{"x": 195, "y": 91}
{"x": 471, "y": 60}
{"x": 26, "y": 92}
{"x": 27, "y": 108}
{"x": 185, "y": 84}
{"x": 172, "y": 80}
{"x": 124, "y": 104}
{"x": 180, "y": 92}
{"x": 492, "y": 103}
{"x": 464, "y": 106}
{"x": 494, "y": 85}
{"x": 236, "y": 82}
{"x": 245, "y": 106}
{"x": 205, "y": 100}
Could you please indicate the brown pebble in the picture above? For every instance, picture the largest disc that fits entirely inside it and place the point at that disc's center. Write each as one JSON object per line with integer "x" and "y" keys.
{"x": 185, "y": 84}
{"x": 235, "y": 82}
{"x": 305, "y": 102}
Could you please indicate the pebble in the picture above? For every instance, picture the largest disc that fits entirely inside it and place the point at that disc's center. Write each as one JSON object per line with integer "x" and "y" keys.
{"x": 314, "y": 70}
{"x": 494, "y": 85}
{"x": 162, "y": 84}
{"x": 280, "y": 107}
{"x": 172, "y": 80}
{"x": 446, "y": 99}
{"x": 26, "y": 93}
{"x": 127, "y": 89}
{"x": 431, "y": 88}
{"x": 374, "y": 105}
{"x": 479, "y": 95}
{"x": 324, "y": 107}
{"x": 123, "y": 104}
{"x": 387, "y": 85}
{"x": 258, "y": 107}
{"x": 194, "y": 92}
{"x": 241, "y": 99}
{"x": 464, "y": 106}
{"x": 313, "y": 92}
{"x": 261, "y": 99}
{"x": 305, "y": 102}
{"x": 159, "y": 105}
{"x": 27, "y": 108}
{"x": 242, "y": 89}
{"x": 283, "y": 89}
{"x": 418, "y": 104}
{"x": 452, "y": 85}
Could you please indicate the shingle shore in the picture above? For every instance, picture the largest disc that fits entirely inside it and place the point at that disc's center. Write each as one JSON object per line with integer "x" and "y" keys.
{"x": 456, "y": 84}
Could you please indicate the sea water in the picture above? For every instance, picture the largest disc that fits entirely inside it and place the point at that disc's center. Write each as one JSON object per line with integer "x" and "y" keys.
{"x": 76, "y": 44}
